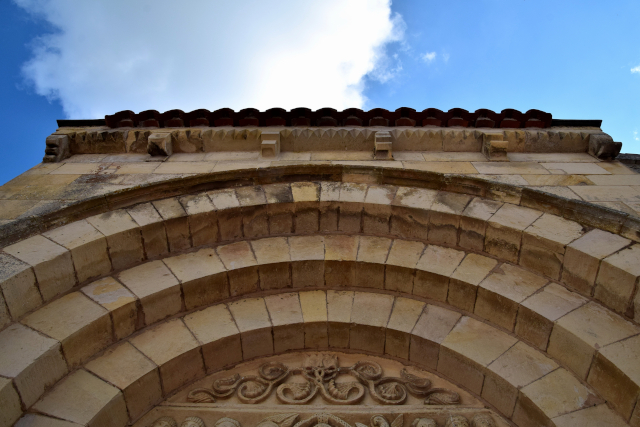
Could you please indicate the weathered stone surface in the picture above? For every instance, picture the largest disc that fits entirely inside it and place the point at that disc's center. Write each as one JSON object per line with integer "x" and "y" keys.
{"x": 595, "y": 416}
{"x": 314, "y": 313}
{"x": 617, "y": 279}
{"x": 372, "y": 256}
{"x": 252, "y": 318}
{"x": 504, "y": 231}
{"x": 120, "y": 302}
{"x": 403, "y": 318}
{"x": 286, "y": 318}
{"x": 273, "y": 259}
{"x": 18, "y": 284}
{"x": 433, "y": 271}
{"x": 242, "y": 268}
{"x": 431, "y": 329}
{"x": 473, "y": 222}
{"x": 154, "y": 234}
{"x": 401, "y": 262}
{"x": 203, "y": 222}
{"x": 123, "y": 237}
{"x": 603, "y": 147}
{"x": 176, "y": 223}
{"x": 340, "y": 256}
{"x": 464, "y": 281}
{"x": 339, "y": 305}
{"x": 307, "y": 261}
{"x": 369, "y": 317}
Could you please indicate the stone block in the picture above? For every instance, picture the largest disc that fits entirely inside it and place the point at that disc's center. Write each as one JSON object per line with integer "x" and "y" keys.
{"x": 371, "y": 259}
{"x": 57, "y": 148}
{"x": 274, "y": 262}
{"x": 603, "y": 147}
{"x": 369, "y": 317}
{"x": 500, "y": 294}
{"x": 494, "y": 147}
{"x": 34, "y": 420}
{"x": 119, "y": 301}
{"x": 329, "y": 206}
{"x": 132, "y": 372}
{"x": 555, "y": 394}
{"x": 403, "y": 319}
{"x": 203, "y": 277}
{"x": 176, "y": 222}
{"x": 464, "y": 281}
{"x": 88, "y": 248}
{"x": 172, "y": 347}
{"x": 538, "y": 313}
{"x": 157, "y": 289}
{"x": 220, "y": 338}
{"x": 154, "y": 235}
{"x": 432, "y": 327}
{"x": 123, "y": 237}
{"x": 160, "y": 144}
{"x": 516, "y": 368}
{"x": 468, "y": 349}
{"x": 255, "y": 221}
{"x": 34, "y": 361}
{"x": 10, "y": 403}
{"x": 410, "y": 213}
{"x": 270, "y": 149}
{"x": 577, "y": 335}
{"x": 228, "y": 213}
{"x": 280, "y": 208}
{"x": 203, "y": 221}
{"x": 617, "y": 280}
{"x": 433, "y": 271}
{"x": 242, "y": 268}
{"x": 544, "y": 243}
{"x": 18, "y": 285}
{"x": 314, "y": 314}
{"x": 376, "y": 214}
{"x": 82, "y": 326}
{"x": 352, "y": 197}
{"x": 340, "y": 260}
{"x": 286, "y": 318}
{"x": 582, "y": 258}
{"x": 307, "y": 261}
{"x": 401, "y": 263}
{"x": 254, "y": 325}
{"x": 595, "y": 416}
{"x": 444, "y": 219}
{"x": 51, "y": 263}
{"x": 339, "y": 305}
{"x": 306, "y": 196}
{"x": 85, "y": 399}
{"x": 504, "y": 231}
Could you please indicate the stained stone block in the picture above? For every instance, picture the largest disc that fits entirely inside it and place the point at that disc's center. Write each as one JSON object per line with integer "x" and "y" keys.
{"x": 203, "y": 277}
{"x": 242, "y": 268}
{"x": 86, "y": 400}
{"x": 255, "y": 221}
{"x": 329, "y": 206}
{"x": 410, "y": 213}
{"x": 123, "y": 237}
{"x": 120, "y": 302}
{"x": 252, "y": 319}
{"x": 273, "y": 262}
{"x": 132, "y": 372}
{"x": 82, "y": 326}
{"x": 339, "y": 305}
{"x": 444, "y": 219}
{"x": 352, "y": 197}
{"x": 217, "y": 331}
{"x": 88, "y": 248}
{"x": 577, "y": 335}
{"x": 173, "y": 348}
{"x": 617, "y": 279}
{"x": 34, "y": 361}
{"x": 203, "y": 221}
{"x": 176, "y": 223}
{"x": 228, "y": 209}
{"x": 18, "y": 285}
{"x": 504, "y": 231}
{"x": 369, "y": 317}
{"x": 401, "y": 263}
{"x": 403, "y": 318}
{"x": 307, "y": 261}
{"x": 314, "y": 314}
{"x": 340, "y": 260}
{"x": 376, "y": 215}
{"x": 9, "y": 402}
{"x": 371, "y": 259}
{"x": 463, "y": 284}
{"x": 154, "y": 235}
{"x": 306, "y": 196}
{"x": 157, "y": 289}
{"x": 431, "y": 329}
{"x": 596, "y": 416}
{"x": 583, "y": 256}
{"x": 280, "y": 208}
{"x": 433, "y": 271}
{"x": 538, "y": 313}
{"x": 51, "y": 263}
{"x": 286, "y": 317}
{"x": 34, "y": 420}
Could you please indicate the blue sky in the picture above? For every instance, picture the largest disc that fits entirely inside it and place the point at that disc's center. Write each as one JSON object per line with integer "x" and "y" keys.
{"x": 79, "y": 59}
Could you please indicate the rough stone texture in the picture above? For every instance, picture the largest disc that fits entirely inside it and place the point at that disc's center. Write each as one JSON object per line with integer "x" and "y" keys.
{"x": 18, "y": 285}
{"x": 339, "y": 305}
{"x": 307, "y": 261}
{"x": 504, "y": 231}
{"x": 444, "y": 218}
{"x": 401, "y": 262}
{"x": 239, "y": 260}
{"x": 252, "y": 319}
{"x": 433, "y": 271}
{"x": 410, "y": 213}
{"x": 273, "y": 258}
{"x": 172, "y": 347}
{"x": 280, "y": 208}
{"x": 314, "y": 313}
{"x": 120, "y": 302}
{"x": 577, "y": 335}
{"x": 176, "y": 223}
{"x": 33, "y": 420}
{"x": 51, "y": 263}
{"x": 340, "y": 256}
{"x": 202, "y": 275}
{"x": 123, "y": 237}
{"x": 34, "y": 361}
{"x": 203, "y": 221}
{"x": 376, "y": 214}
{"x": 464, "y": 281}
{"x": 154, "y": 235}
{"x": 403, "y": 318}
{"x": 595, "y": 416}
{"x": 86, "y": 400}
{"x": 369, "y": 317}
{"x": 10, "y": 403}
{"x": 81, "y": 325}
{"x": 157, "y": 289}
{"x": 371, "y": 259}
{"x": 286, "y": 317}
{"x": 255, "y": 221}
{"x": 430, "y": 330}
{"x": 473, "y": 222}
{"x": 617, "y": 280}
{"x": 583, "y": 256}
{"x": 133, "y": 373}
{"x": 229, "y": 221}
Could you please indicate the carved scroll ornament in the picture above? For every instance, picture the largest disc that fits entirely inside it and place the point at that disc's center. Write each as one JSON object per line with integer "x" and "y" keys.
{"x": 320, "y": 373}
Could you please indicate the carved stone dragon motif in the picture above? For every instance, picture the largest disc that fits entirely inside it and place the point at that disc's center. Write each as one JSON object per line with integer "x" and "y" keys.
{"x": 320, "y": 373}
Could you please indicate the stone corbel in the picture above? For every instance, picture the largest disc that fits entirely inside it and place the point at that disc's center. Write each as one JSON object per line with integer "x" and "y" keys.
{"x": 159, "y": 144}
{"x": 603, "y": 147}
{"x": 270, "y": 144}
{"x": 383, "y": 143}
{"x": 57, "y": 148}
{"x": 494, "y": 147}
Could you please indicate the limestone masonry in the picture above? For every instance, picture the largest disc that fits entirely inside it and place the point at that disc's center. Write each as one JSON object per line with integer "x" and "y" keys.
{"x": 322, "y": 268}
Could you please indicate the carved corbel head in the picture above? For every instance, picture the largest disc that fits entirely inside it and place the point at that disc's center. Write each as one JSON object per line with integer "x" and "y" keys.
{"x": 424, "y": 422}
{"x": 57, "y": 148}
{"x": 457, "y": 421}
{"x": 165, "y": 422}
{"x": 483, "y": 420}
{"x": 227, "y": 422}
{"x": 193, "y": 422}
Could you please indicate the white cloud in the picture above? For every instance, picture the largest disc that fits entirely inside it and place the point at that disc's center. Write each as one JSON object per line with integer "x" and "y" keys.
{"x": 111, "y": 55}
{"x": 635, "y": 136}
{"x": 429, "y": 57}
{"x": 636, "y": 69}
